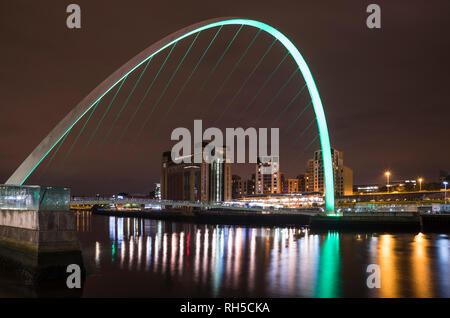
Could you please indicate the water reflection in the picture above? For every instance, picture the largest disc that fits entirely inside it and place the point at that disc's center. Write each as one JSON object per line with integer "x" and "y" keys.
{"x": 328, "y": 284}
{"x": 387, "y": 259}
{"x": 82, "y": 220}
{"x": 213, "y": 260}
{"x": 421, "y": 267}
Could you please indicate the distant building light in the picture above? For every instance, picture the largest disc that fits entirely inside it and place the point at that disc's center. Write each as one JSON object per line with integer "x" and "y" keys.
{"x": 368, "y": 188}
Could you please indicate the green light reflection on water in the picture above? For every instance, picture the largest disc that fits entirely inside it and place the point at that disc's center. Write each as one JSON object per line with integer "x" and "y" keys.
{"x": 328, "y": 281}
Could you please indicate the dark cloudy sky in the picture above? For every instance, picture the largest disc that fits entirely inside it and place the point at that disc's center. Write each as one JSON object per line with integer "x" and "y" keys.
{"x": 385, "y": 92}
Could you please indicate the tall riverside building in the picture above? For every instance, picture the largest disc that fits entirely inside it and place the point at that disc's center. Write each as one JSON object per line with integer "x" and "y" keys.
{"x": 180, "y": 181}
{"x": 303, "y": 182}
{"x": 267, "y": 177}
{"x": 219, "y": 179}
{"x": 343, "y": 175}
{"x": 195, "y": 181}
{"x": 239, "y": 187}
{"x": 292, "y": 185}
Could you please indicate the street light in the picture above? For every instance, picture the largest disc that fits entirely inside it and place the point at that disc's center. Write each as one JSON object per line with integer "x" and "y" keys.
{"x": 445, "y": 191}
{"x": 420, "y": 184}
{"x": 387, "y": 174}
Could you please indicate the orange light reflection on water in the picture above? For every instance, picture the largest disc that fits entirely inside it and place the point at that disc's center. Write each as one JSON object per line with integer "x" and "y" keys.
{"x": 387, "y": 261}
{"x": 420, "y": 267}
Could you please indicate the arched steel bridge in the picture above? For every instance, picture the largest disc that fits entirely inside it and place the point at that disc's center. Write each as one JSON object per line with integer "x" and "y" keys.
{"x": 67, "y": 123}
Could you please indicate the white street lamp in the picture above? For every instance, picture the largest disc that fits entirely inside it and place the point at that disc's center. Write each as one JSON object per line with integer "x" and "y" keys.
{"x": 445, "y": 191}
{"x": 420, "y": 183}
{"x": 387, "y": 174}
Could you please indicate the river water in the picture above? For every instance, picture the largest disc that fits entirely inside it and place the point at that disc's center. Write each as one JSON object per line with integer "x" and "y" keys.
{"x": 133, "y": 257}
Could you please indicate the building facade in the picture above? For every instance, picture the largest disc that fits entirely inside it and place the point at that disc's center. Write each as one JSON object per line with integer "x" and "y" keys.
{"x": 292, "y": 186}
{"x": 239, "y": 187}
{"x": 343, "y": 175}
{"x": 181, "y": 181}
{"x": 267, "y": 176}
{"x": 206, "y": 182}
{"x": 285, "y": 200}
{"x": 303, "y": 182}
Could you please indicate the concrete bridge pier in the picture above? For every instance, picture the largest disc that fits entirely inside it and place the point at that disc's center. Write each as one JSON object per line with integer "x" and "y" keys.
{"x": 38, "y": 238}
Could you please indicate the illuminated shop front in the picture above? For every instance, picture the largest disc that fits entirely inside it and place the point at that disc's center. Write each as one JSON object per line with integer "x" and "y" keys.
{"x": 287, "y": 200}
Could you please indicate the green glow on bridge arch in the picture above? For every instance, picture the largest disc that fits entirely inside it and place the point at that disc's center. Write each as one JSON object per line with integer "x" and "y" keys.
{"x": 314, "y": 93}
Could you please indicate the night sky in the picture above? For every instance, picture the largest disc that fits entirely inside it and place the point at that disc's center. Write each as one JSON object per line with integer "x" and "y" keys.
{"x": 385, "y": 92}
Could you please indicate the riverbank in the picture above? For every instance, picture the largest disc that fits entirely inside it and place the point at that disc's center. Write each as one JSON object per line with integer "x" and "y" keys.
{"x": 375, "y": 221}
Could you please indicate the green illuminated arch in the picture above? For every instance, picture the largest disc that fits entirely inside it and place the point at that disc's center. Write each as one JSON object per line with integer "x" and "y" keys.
{"x": 48, "y": 143}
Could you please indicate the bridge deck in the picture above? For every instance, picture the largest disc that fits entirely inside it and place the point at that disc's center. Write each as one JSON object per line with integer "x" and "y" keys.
{"x": 209, "y": 205}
